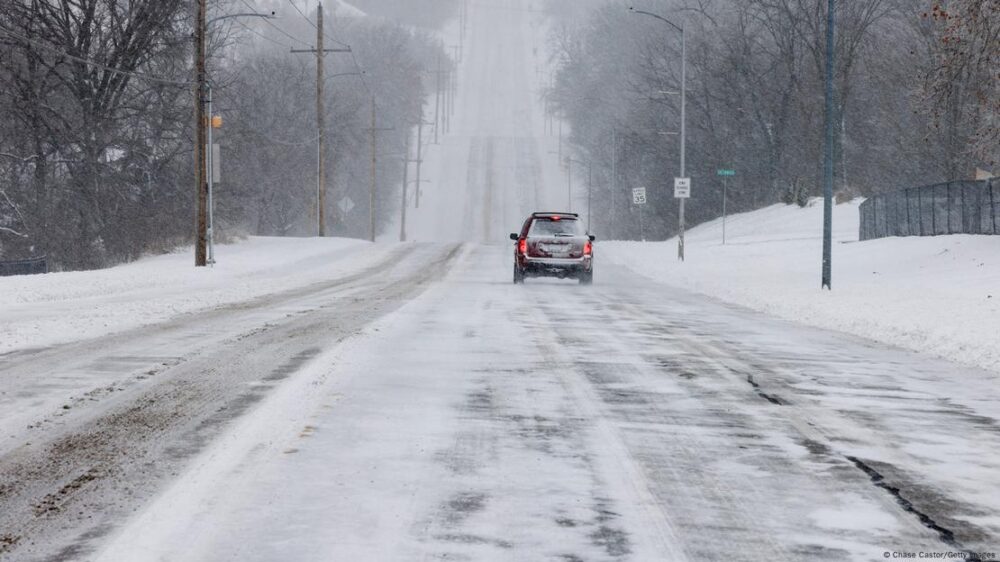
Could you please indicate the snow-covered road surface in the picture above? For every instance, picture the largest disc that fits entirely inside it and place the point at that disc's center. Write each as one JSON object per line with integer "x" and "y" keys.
{"x": 92, "y": 429}
{"x": 624, "y": 421}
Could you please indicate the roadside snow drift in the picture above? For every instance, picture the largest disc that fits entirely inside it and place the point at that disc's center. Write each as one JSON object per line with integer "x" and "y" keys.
{"x": 939, "y": 295}
{"x": 39, "y": 310}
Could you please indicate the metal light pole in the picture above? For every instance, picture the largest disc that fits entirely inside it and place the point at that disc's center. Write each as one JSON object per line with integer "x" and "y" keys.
{"x": 680, "y": 238}
{"x": 210, "y": 176}
{"x": 828, "y": 153}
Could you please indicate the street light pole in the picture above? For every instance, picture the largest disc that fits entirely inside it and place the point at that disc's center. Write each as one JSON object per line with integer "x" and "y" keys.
{"x": 828, "y": 154}
{"x": 680, "y": 238}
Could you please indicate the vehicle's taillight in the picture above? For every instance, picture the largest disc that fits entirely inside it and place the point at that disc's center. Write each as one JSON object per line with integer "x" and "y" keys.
{"x": 588, "y": 248}
{"x": 522, "y": 246}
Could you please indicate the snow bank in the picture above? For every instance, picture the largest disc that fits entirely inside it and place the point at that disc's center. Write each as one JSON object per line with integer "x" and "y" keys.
{"x": 939, "y": 295}
{"x": 40, "y": 310}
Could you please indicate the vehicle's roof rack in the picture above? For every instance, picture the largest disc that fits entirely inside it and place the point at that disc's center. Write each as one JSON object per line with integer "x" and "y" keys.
{"x": 554, "y": 213}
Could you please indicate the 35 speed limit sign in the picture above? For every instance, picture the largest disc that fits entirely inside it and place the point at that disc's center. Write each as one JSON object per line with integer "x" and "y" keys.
{"x": 639, "y": 196}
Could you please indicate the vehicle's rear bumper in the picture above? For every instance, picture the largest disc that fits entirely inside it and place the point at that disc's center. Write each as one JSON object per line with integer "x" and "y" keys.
{"x": 556, "y": 267}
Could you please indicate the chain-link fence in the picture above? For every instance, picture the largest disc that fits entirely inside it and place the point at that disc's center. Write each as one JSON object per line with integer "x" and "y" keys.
{"x": 24, "y": 267}
{"x": 958, "y": 207}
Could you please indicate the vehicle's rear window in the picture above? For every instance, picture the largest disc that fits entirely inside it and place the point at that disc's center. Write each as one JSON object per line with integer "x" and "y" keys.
{"x": 549, "y": 227}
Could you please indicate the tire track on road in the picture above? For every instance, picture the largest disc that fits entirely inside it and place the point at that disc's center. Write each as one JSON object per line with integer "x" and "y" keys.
{"x": 61, "y": 492}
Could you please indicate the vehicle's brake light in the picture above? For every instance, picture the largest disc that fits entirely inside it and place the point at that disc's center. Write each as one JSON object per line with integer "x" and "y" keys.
{"x": 556, "y": 217}
{"x": 588, "y": 248}
{"x": 523, "y": 246}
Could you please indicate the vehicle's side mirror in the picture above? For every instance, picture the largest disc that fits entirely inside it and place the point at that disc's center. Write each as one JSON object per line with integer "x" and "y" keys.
{"x": 514, "y": 236}
{"x": 592, "y": 237}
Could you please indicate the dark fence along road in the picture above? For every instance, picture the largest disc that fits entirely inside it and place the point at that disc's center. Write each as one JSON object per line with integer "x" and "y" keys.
{"x": 23, "y": 267}
{"x": 958, "y": 207}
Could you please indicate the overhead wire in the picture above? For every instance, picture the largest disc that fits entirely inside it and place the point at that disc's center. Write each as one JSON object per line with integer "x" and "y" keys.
{"x": 262, "y": 36}
{"x": 305, "y": 17}
{"x": 276, "y": 28}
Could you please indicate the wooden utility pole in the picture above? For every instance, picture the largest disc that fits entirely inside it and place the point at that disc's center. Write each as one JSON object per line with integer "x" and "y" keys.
{"x": 420, "y": 160}
{"x": 201, "y": 186}
{"x": 437, "y": 100}
{"x": 320, "y": 121}
{"x": 406, "y": 169}
{"x": 371, "y": 190}
{"x": 321, "y": 125}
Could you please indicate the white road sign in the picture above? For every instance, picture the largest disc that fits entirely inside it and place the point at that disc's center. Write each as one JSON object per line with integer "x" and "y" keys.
{"x": 682, "y": 188}
{"x": 345, "y": 205}
{"x": 639, "y": 196}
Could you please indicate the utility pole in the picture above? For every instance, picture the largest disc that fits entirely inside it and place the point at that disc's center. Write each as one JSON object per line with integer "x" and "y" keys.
{"x": 321, "y": 127}
{"x": 320, "y": 121}
{"x": 437, "y": 100}
{"x": 406, "y": 169}
{"x": 614, "y": 178}
{"x": 371, "y": 191}
{"x": 828, "y": 154}
{"x": 454, "y": 78}
{"x": 590, "y": 187}
{"x": 201, "y": 186}
{"x": 446, "y": 100}
{"x": 420, "y": 160}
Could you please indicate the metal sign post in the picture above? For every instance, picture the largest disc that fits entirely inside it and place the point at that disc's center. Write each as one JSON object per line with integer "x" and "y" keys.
{"x": 639, "y": 199}
{"x": 724, "y": 174}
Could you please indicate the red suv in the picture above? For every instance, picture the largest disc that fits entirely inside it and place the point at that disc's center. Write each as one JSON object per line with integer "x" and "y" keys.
{"x": 553, "y": 245}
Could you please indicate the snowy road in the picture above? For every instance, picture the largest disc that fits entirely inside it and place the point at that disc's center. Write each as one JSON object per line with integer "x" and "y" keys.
{"x": 416, "y": 405}
{"x": 92, "y": 429}
{"x": 627, "y": 421}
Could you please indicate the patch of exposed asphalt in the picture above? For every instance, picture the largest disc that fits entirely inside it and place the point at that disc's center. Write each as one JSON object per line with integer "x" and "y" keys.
{"x": 769, "y": 397}
{"x": 463, "y": 505}
{"x": 946, "y": 535}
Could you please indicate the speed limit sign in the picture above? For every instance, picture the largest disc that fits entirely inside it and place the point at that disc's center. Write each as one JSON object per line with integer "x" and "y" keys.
{"x": 639, "y": 196}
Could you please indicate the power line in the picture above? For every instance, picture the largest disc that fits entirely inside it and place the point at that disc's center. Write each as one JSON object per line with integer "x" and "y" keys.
{"x": 262, "y": 36}
{"x": 90, "y": 62}
{"x": 292, "y": 2}
{"x": 276, "y": 28}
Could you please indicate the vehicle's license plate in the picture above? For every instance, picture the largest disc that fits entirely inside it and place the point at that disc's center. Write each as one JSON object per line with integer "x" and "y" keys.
{"x": 556, "y": 249}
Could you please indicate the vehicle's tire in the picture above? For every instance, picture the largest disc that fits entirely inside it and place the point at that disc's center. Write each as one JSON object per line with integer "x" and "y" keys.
{"x": 587, "y": 278}
{"x": 518, "y": 275}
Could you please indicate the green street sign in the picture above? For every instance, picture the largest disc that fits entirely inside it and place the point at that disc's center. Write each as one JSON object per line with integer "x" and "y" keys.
{"x": 725, "y": 172}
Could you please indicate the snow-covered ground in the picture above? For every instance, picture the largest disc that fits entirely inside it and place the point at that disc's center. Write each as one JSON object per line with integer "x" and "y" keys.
{"x": 41, "y": 310}
{"x": 937, "y": 295}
